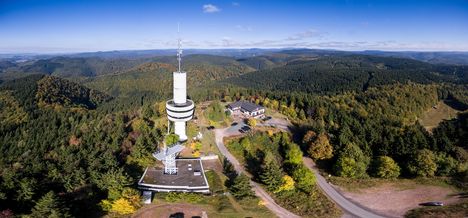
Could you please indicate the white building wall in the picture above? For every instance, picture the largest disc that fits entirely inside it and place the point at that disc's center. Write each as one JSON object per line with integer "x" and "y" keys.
{"x": 179, "y": 129}
{"x": 180, "y": 87}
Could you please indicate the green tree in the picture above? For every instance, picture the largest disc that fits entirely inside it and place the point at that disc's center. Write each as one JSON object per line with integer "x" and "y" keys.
{"x": 446, "y": 165}
{"x": 246, "y": 144}
{"x": 215, "y": 112}
{"x": 271, "y": 175}
{"x": 114, "y": 181}
{"x": 351, "y": 162}
{"x": 241, "y": 188}
{"x": 228, "y": 169}
{"x": 49, "y": 206}
{"x": 26, "y": 189}
{"x": 171, "y": 139}
{"x": 386, "y": 167}
{"x": 293, "y": 154}
{"x": 305, "y": 179}
{"x": 423, "y": 164}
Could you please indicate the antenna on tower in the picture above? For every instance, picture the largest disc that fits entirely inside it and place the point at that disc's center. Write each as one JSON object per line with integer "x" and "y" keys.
{"x": 179, "y": 45}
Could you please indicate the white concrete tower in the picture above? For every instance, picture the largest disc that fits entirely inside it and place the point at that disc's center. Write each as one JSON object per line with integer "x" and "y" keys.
{"x": 180, "y": 109}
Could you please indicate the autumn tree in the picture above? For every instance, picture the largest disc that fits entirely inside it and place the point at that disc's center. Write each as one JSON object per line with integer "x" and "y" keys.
{"x": 320, "y": 148}
{"x": 252, "y": 122}
{"x": 309, "y": 137}
{"x": 287, "y": 184}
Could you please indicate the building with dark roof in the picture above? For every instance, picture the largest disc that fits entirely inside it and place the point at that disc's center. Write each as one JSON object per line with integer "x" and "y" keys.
{"x": 248, "y": 108}
{"x": 190, "y": 177}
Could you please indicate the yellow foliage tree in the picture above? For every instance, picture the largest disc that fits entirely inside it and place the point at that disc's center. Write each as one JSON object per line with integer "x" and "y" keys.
{"x": 122, "y": 206}
{"x": 138, "y": 125}
{"x": 270, "y": 132}
{"x": 321, "y": 148}
{"x": 287, "y": 185}
{"x": 252, "y": 122}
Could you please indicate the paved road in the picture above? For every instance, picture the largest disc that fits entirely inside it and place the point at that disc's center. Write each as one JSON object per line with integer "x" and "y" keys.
{"x": 259, "y": 192}
{"x": 350, "y": 208}
{"x": 341, "y": 201}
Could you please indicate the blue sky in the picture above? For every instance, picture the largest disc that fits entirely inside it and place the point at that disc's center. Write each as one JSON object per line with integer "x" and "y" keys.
{"x": 100, "y": 25}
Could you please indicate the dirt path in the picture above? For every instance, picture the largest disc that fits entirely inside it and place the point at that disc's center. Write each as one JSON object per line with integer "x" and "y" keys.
{"x": 394, "y": 200}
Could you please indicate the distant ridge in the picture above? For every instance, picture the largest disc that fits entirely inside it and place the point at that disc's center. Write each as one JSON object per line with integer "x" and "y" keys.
{"x": 436, "y": 57}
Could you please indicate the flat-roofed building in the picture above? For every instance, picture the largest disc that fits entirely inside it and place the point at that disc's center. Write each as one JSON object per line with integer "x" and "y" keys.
{"x": 190, "y": 177}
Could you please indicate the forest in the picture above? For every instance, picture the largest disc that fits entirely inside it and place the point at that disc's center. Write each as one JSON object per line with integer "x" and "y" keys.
{"x": 76, "y": 133}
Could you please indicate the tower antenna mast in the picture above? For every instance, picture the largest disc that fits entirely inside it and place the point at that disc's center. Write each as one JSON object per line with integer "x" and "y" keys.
{"x": 179, "y": 45}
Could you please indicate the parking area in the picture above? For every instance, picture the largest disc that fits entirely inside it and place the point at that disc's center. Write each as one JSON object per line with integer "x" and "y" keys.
{"x": 235, "y": 127}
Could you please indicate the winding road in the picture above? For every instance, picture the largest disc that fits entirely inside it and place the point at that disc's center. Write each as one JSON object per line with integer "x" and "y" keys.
{"x": 351, "y": 209}
{"x": 348, "y": 206}
{"x": 259, "y": 192}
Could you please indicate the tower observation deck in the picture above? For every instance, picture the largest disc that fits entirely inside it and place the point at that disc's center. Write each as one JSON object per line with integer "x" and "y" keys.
{"x": 180, "y": 109}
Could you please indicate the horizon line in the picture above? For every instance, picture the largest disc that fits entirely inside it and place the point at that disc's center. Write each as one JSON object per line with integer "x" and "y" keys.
{"x": 226, "y": 48}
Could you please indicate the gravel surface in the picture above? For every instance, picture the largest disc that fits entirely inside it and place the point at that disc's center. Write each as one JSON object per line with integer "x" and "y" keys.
{"x": 394, "y": 201}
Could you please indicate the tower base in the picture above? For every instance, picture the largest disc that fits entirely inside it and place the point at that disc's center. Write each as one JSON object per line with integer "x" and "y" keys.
{"x": 179, "y": 129}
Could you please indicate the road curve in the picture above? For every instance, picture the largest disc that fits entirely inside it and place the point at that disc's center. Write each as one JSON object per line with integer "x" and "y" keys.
{"x": 334, "y": 195}
{"x": 259, "y": 192}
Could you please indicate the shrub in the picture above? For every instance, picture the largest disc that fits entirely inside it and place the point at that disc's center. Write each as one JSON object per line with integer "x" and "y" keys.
{"x": 183, "y": 197}
{"x": 386, "y": 167}
{"x": 287, "y": 184}
{"x": 446, "y": 165}
{"x": 171, "y": 139}
{"x": 423, "y": 164}
{"x": 122, "y": 206}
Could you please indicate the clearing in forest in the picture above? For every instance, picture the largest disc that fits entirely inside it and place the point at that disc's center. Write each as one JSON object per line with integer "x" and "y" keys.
{"x": 436, "y": 114}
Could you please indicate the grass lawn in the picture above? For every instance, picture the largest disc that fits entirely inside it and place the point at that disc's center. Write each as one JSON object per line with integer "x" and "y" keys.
{"x": 355, "y": 185}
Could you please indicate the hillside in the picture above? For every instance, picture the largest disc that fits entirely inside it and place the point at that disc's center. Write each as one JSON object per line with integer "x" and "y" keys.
{"x": 347, "y": 73}
{"x": 40, "y": 90}
{"x": 66, "y": 137}
{"x": 58, "y": 152}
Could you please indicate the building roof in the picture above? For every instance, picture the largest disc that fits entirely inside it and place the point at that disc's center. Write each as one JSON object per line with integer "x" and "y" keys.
{"x": 246, "y": 105}
{"x": 190, "y": 175}
{"x": 161, "y": 155}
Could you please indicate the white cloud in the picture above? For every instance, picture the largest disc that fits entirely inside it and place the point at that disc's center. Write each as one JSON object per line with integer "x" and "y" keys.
{"x": 244, "y": 28}
{"x": 311, "y": 33}
{"x": 209, "y": 8}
